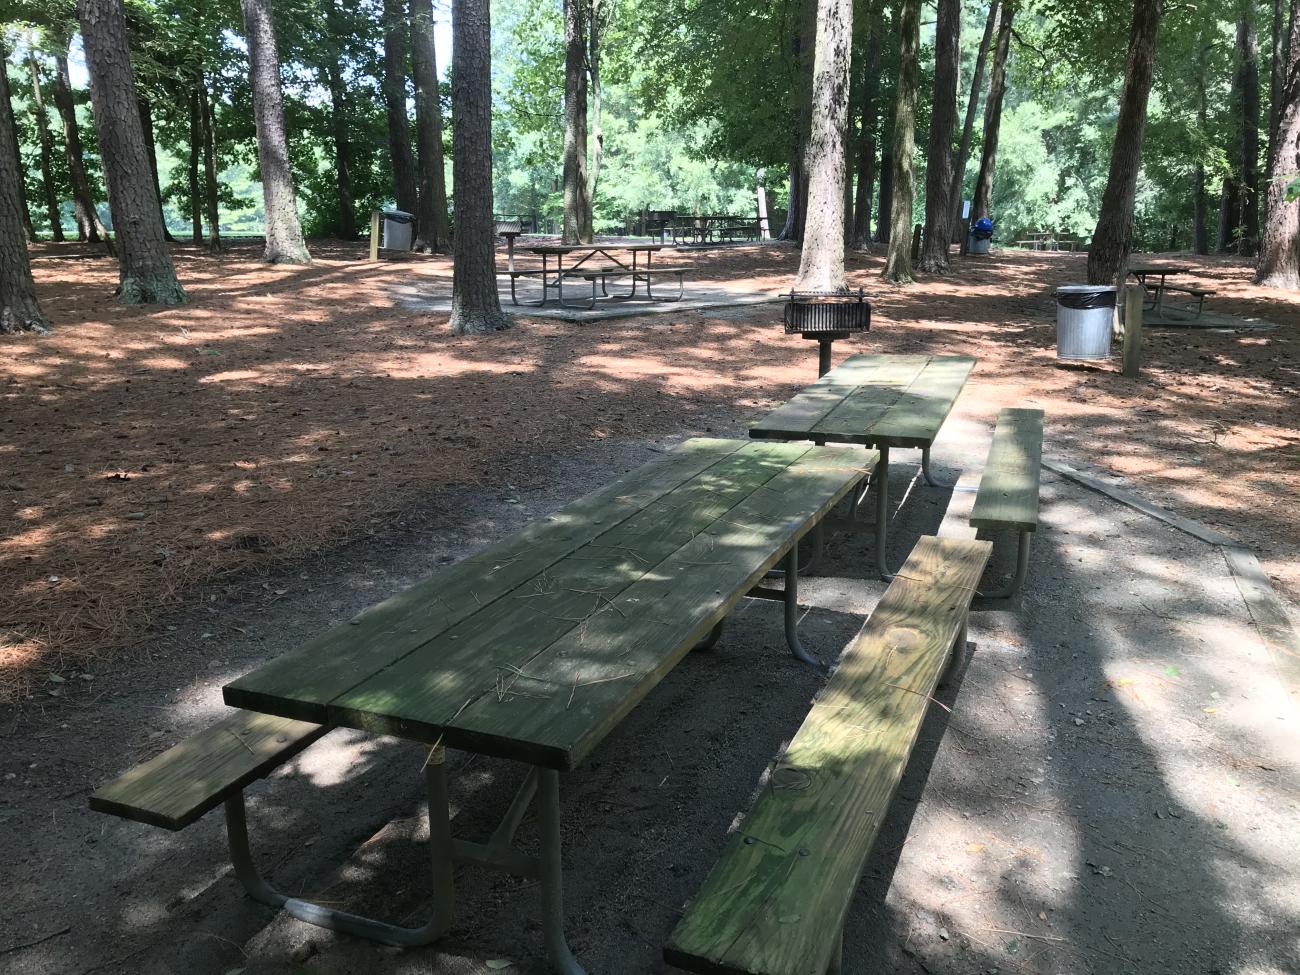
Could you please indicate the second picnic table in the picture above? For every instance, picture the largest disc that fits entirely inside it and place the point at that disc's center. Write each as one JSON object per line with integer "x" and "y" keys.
{"x": 536, "y": 648}
{"x": 553, "y": 277}
{"x": 880, "y": 401}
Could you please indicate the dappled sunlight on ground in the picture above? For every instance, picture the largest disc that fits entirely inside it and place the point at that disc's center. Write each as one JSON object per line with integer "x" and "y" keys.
{"x": 146, "y": 450}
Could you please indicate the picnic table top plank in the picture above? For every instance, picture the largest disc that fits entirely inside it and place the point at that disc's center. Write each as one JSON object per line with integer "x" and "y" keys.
{"x": 873, "y": 399}
{"x": 774, "y": 902}
{"x": 1008, "y": 493}
{"x": 571, "y": 696}
{"x": 460, "y": 637}
{"x": 595, "y": 248}
{"x": 301, "y": 684}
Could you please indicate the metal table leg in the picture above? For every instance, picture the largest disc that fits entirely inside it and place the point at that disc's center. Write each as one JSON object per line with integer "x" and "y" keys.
{"x": 558, "y": 954}
{"x": 711, "y": 641}
{"x": 882, "y": 512}
{"x": 440, "y": 850}
{"x": 925, "y": 470}
{"x": 792, "y": 609}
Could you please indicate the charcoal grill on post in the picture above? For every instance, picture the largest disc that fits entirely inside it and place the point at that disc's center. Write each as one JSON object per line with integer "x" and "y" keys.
{"x": 509, "y": 228}
{"x": 825, "y": 317}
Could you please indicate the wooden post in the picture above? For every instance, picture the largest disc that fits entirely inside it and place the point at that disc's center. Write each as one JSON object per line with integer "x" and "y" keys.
{"x": 374, "y": 235}
{"x": 1134, "y": 297}
{"x": 916, "y": 242}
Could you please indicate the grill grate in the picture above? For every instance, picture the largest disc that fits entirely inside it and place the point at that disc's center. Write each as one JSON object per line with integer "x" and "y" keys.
{"x": 811, "y": 313}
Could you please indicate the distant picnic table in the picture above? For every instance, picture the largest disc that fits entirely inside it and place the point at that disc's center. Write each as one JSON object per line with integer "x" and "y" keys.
{"x": 553, "y": 272}
{"x": 880, "y": 401}
{"x": 1152, "y": 277}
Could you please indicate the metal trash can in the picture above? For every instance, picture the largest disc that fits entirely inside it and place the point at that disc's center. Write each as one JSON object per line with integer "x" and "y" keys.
{"x": 399, "y": 226}
{"x": 1083, "y": 320}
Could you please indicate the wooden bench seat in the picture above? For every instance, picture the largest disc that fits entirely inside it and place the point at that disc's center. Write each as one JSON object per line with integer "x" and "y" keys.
{"x": 1005, "y": 495}
{"x": 180, "y": 785}
{"x": 775, "y": 902}
{"x": 1200, "y": 294}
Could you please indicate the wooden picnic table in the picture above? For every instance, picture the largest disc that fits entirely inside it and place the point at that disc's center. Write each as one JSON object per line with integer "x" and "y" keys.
{"x": 536, "y": 648}
{"x": 553, "y": 279}
{"x": 880, "y": 401}
{"x": 1144, "y": 271}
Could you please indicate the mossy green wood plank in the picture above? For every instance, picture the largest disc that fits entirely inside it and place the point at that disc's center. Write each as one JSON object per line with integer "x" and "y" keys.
{"x": 801, "y": 413}
{"x": 180, "y": 785}
{"x": 777, "y": 897}
{"x": 580, "y": 687}
{"x": 416, "y": 696}
{"x": 915, "y": 418}
{"x": 1008, "y": 492}
{"x": 301, "y": 684}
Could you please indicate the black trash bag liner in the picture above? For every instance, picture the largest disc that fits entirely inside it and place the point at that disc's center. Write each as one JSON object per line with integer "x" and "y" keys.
{"x": 1082, "y": 300}
{"x": 397, "y": 216}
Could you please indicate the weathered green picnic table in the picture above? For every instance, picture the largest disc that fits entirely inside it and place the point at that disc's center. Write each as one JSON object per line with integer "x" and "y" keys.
{"x": 536, "y": 648}
{"x": 880, "y": 401}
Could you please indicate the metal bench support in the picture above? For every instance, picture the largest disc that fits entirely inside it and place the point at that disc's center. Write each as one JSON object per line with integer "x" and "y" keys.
{"x": 1012, "y": 588}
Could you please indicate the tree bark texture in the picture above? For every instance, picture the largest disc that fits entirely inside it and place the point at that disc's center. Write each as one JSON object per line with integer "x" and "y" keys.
{"x": 867, "y": 143}
{"x": 1248, "y": 51}
{"x": 885, "y": 208}
{"x": 52, "y": 210}
{"x": 192, "y": 168}
{"x": 397, "y": 30}
{"x": 151, "y": 150}
{"x": 1229, "y": 215}
{"x": 596, "y": 142}
{"x": 1279, "y": 252}
{"x": 803, "y": 42}
{"x": 347, "y": 222}
{"x": 1200, "y": 203}
{"x": 284, "y": 242}
{"x": 982, "y": 200}
{"x": 1276, "y": 78}
{"x": 939, "y": 153}
{"x": 898, "y": 256}
{"x": 431, "y": 224}
{"x": 89, "y": 226}
{"x": 821, "y": 261}
{"x": 211, "y": 197}
{"x": 1113, "y": 239}
{"x": 475, "y": 304}
{"x": 19, "y": 310}
{"x": 11, "y": 146}
{"x": 146, "y": 272}
{"x": 577, "y": 205}
{"x": 968, "y": 124}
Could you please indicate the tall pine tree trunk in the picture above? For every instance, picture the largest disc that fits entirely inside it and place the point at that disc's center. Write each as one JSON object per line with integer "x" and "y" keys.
{"x": 821, "y": 262}
{"x": 475, "y": 303}
{"x": 397, "y": 30}
{"x": 803, "y": 50}
{"x": 577, "y": 205}
{"x": 596, "y": 142}
{"x": 1113, "y": 239}
{"x": 151, "y": 150}
{"x": 192, "y": 167}
{"x": 867, "y": 143}
{"x": 146, "y": 272}
{"x": 284, "y": 243}
{"x": 1200, "y": 204}
{"x": 885, "y": 208}
{"x": 968, "y": 124}
{"x": 211, "y": 197}
{"x": 982, "y": 201}
{"x": 11, "y": 146}
{"x": 19, "y": 310}
{"x": 1248, "y": 48}
{"x": 1229, "y": 216}
{"x": 347, "y": 222}
{"x": 1276, "y": 79}
{"x": 898, "y": 256}
{"x": 1279, "y": 252}
{"x": 939, "y": 154}
{"x": 431, "y": 225}
{"x": 89, "y": 226}
{"x": 52, "y": 209}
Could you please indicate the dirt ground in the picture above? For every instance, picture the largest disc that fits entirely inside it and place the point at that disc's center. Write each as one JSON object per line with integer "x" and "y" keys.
{"x": 149, "y": 451}
{"x": 1116, "y": 788}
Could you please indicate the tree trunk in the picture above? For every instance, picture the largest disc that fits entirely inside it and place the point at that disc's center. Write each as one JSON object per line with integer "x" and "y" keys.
{"x": 1229, "y": 215}
{"x": 867, "y": 144}
{"x": 146, "y": 272}
{"x": 19, "y": 310}
{"x": 981, "y": 202}
{"x": 1248, "y": 48}
{"x": 577, "y": 205}
{"x": 52, "y": 210}
{"x": 968, "y": 124}
{"x": 475, "y": 304}
{"x": 151, "y": 150}
{"x": 803, "y": 43}
{"x": 1276, "y": 79}
{"x": 347, "y": 222}
{"x": 596, "y": 10}
{"x": 898, "y": 256}
{"x": 1200, "y": 205}
{"x": 11, "y": 146}
{"x": 1279, "y": 252}
{"x": 211, "y": 198}
{"x": 431, "y": 225}
{"x": 89, "y": 227}
{"x": 821, "y": 262}
{"x": 284, "y": 243}
{"x": 939, "y": 154}
{"x": 397, "y": 30}
{"x": 849, "y": 157}
{"x": 1113, "y": 238}
{"x": 885, "y": 208}
{"x": 192, "y": 170}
